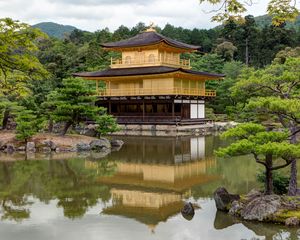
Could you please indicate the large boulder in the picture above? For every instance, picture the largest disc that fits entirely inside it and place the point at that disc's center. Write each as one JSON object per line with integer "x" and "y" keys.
{"x": 100, "y": 144}
{"x": 223, "y": 198}
{"x": 261, "y": 207}
{"x": 82, "y": 147}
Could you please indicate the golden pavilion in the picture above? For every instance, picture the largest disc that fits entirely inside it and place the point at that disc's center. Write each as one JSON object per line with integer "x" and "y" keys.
{"x": 151, "y": 83}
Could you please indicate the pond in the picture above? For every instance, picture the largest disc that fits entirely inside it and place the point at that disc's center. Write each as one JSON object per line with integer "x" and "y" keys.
{"x": 134, "y": 193}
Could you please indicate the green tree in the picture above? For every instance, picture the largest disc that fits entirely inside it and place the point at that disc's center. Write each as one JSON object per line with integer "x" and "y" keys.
{"x": 268, "y": 148}
{"x": 226, "y": 50}
{"x": 27, "y": 125}
{"x": 273, "y": 93}
{"x": 18, "y": 63}
{"x": 74, "y": 103}
{"x": 106, "y": 124}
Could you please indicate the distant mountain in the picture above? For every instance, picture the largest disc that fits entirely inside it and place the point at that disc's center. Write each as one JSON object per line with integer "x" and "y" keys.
{"x": 55, "y": 29}
{"x": 266, "y": 20}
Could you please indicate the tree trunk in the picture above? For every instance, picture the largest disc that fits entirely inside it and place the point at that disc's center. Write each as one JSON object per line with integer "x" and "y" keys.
{"x": 269, "y": 176}
{"x": 5, "y": 118}
{"x": 247, "y": 52}
{"x": 66, "y": 127}
{"x": 50, "y": 126}
{"x": 293, "y": 177}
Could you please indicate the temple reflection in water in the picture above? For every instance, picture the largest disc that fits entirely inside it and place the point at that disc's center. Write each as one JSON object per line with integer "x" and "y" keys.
{"x": 151, "y": 182}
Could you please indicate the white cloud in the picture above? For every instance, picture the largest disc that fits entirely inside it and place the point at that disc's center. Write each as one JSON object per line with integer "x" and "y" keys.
{"x": 92, "y": 15}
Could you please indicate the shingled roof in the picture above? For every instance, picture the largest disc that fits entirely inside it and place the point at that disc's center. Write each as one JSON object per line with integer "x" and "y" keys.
{"x": 149, "y": 38}
{"x": 116, "y": 72}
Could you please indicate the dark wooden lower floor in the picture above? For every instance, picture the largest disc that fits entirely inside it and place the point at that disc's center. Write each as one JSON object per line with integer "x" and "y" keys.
{"x": 155, "y": 111}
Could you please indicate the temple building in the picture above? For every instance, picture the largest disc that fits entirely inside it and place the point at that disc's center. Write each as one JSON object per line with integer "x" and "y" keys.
{"x": 151, "y": 83}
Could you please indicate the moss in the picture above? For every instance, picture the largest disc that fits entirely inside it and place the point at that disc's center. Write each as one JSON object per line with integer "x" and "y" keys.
{"x": 282, "y": 215}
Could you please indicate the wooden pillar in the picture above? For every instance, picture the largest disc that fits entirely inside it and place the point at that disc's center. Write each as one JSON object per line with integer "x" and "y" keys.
{"x": 143, "y": 109}
{"x": 109, "y": 107}
{"x": 173, "y": 108}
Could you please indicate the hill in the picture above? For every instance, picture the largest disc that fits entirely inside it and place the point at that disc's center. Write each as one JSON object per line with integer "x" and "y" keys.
{"x": 54, "y": 29}
{"x": 266, "y": 20}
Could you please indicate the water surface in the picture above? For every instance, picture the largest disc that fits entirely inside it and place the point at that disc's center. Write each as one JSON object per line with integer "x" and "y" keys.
{"x": 134, "y": 193}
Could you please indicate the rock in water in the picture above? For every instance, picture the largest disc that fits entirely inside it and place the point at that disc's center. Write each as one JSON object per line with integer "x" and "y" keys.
{"x": 100, "y": 144}
{"x": 261, "y": 208}
{"x": 116, "y": 143}
{"x": 223, "y": 198}
{"x": 188, "y": 211}
{"x": 50, "y": 144}
{"x": 81, "y": 147}
{"x": 292, "y": 222}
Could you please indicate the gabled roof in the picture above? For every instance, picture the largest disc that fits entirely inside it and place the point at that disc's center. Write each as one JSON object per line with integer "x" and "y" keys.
{"x": 149, "y": 38}
{"x": 117, "y": 72}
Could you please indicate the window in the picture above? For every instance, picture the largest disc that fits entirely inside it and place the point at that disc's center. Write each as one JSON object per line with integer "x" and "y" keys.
{"x": 151, "y": 58}
{"x": 127, "y": 60}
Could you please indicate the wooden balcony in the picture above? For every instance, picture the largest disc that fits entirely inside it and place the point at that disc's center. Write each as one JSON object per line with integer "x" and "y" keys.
{"x": 156, "y": 92}
{"x": 178, "y": 63}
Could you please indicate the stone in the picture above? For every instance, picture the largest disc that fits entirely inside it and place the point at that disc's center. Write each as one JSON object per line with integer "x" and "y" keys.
{"x": 188, "y": 211}
{"x": 292, "y": 222}
{"x": 223, "y": 198}
{"x": 261, "y": 208}
{"x": 235, "y": 208}
{"x": 21, "y": 149}
{"x": 100, "y": 144}
{"x": 9, "y": 148}
{"x": 116, "y": 143}
{"x": 50, "y": 144}
{"x": 81, "y": 147}
{"x": 30, "y": 147}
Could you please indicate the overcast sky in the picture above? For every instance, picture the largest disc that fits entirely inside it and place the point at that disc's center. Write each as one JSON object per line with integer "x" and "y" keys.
{"x": 92, "y": 15}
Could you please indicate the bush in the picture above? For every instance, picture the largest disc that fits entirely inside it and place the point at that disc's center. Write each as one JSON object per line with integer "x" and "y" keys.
{"x": 280, "y": 182}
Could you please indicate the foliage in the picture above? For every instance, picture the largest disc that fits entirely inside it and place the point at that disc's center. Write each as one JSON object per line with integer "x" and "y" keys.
{"x": 280, "y": 10}
{"x": 73, "y": 103}
{"x": 106, "y": 124}
{"x": 27, "y": 125}
{"x": 226, "y": 50}
{"x": 18, "y": 64}
{"x": 288, "y": 52}
{"x": 17, "y": 48}
{"x": 280, "y": 182}
{"x": 268, "y": 148}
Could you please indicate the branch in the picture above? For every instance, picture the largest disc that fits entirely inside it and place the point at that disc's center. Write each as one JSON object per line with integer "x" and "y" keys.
{"x": 258, "y": 160}
{"x": 282, "y": 166}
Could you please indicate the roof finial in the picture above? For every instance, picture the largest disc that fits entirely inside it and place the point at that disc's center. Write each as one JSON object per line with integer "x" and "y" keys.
{"x": 151, "y": 28}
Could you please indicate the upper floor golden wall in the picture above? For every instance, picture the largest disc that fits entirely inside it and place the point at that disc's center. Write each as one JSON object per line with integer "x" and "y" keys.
{"x": 150, "y": 57}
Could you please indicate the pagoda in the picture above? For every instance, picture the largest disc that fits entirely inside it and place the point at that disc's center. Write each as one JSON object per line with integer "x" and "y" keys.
{"x": 151, "y": 83}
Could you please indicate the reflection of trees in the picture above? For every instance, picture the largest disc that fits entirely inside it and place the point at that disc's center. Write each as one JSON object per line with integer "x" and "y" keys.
{"x": 68, "y": 181}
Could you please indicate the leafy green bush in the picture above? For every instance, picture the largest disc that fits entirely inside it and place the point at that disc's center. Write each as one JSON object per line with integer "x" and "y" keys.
{"x": 280, "y": 182}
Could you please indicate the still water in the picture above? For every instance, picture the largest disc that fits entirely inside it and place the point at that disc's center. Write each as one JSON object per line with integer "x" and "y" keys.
{"x": 134, "y": 193}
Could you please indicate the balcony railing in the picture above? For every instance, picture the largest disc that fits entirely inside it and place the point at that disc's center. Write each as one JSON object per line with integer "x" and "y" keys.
{"x": 121, "y": 63}
{"x": 156, "y": 91}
